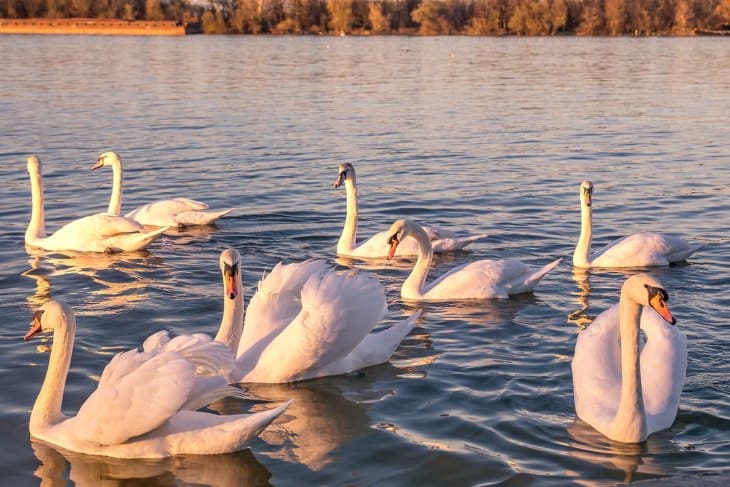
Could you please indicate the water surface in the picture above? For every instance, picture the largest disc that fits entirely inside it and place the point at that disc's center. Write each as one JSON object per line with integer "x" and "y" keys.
{"x": 476, "y": 135}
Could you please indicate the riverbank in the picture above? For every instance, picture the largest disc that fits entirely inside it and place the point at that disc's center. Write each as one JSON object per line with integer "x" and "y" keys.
{"x": 97, "y": 27}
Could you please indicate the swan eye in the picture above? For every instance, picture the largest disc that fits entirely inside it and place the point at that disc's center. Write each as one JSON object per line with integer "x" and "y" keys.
{"x": 230, "y": 269}
{"x": 37, "y": 316}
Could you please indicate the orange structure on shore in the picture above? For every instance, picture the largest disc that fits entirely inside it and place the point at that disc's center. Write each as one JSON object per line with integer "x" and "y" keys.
{"x": 97, "y": 27}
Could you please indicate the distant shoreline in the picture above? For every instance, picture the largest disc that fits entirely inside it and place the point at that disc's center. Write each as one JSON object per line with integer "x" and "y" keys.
{"x": 94, "y": 26}
{"x": 97, "y": 27}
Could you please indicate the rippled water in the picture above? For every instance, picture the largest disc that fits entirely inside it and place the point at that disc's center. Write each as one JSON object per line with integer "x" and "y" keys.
{"x": 476, "y": 135}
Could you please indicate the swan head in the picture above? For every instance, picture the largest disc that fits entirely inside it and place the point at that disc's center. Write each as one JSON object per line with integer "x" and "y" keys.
{"x": 230, "y": 264}
{"x": 586, "y": 193}
{"x": 50, "y": 316}
{"x": 399, "y": 230}
{"x": 346, "y": 172}
{"x": 646, "y": 290}
{"x": 34, "y": 165}
{"x": 107, "y": 159}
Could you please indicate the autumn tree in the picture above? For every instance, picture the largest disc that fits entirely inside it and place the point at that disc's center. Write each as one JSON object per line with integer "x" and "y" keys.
{"x": 340, "y": 13}
{"x": 379, "y": 22}
{"x": 722, "y": 13}
{"x": 616, "y": 16}
{"x": 429, "y": 16}
{"x": 684, "y": 17}
{"x": 591, "y": 22}
{"x": 152, "y": 10}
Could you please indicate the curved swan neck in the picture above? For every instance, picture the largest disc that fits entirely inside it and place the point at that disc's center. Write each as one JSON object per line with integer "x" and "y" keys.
{"x": 36, "y": 226}
{"x": 581, "y": 256}
{"x": 115, "y": 202}
{"x": 47, "y": 407}
{"x": 231, "y": 327}
{"x": 348, "y": 238}
{"x": 415, "y": 283}
{"x": 630, "y": 422}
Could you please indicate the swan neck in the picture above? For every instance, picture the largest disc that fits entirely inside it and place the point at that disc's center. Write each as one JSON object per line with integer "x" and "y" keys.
{"x": 36, "y": 226}
{"x": 47, "y": 408}
{"x": 115, "y": 202}
{"x": 630, "y": 420}
{"x": 348, "y": 237}
{"x": 581, "y": 256}
{"x": 415, "y": 284}
{"x": 231, "y": 327}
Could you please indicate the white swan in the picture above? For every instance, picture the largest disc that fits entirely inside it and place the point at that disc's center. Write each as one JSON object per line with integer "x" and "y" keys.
{"x": 375, "y": 246}
{"x": 624, "y": 388}
{"x": 305, "y": 321}
{"x": 95, "y": 233}
{"x": 176, "y": 212}
{"x": 142, "y": 406}
{"x": 639, "y": 250}
{"x": 482, "y": 279}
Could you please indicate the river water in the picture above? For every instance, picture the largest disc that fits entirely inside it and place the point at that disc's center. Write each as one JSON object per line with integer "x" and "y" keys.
{"x": 478, "y": 135}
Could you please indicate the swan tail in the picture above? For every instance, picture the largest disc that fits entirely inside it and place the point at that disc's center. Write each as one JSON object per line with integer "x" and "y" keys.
{"x": 192, "y": 218}
{"x": 142, "y": 240}
{"x": 201, "y": 433}
{"x": 526, "y": 284}
{"x": 377, "y": 348}
{"x": 683, "y": 254}
{"x": 209, "y": 389}
{"x": 457, "y": 243}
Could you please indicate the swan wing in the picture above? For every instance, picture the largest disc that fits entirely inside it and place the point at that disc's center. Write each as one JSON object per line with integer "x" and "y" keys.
{"x": 337, "y": 313}
{"x": 137, "y": 393}
{"x": 163, "y": 213}
{"x": 482, "y": 279}
{"x": 97, "y": 227}
{"x": 276, "y": 302}
{"x": 376, "y": 247}
{"x": 596, "y": 368}
{"x": 663, "y": 365}
{"x": 209, "y": 357}
{"x": 376, "y": 348}
{"x": 643, "y": 250}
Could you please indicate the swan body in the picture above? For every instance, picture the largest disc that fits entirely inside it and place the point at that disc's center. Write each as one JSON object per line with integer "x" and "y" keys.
{"x": 482, "y": 279}
{"x": 94, "y": 233}
{"x": 375, "y": 246}
{"x": 141, "y": 407}
{"x": 176, "y": 212}
{"x": 644, "y": 249}
{"x": 306, "y": 321}
{"x": 625, "y": 387}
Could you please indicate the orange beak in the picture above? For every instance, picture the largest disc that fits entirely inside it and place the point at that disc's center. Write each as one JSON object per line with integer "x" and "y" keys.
{"x": 231, "y": 290}
{"x": 660, "y": 306}
{"x": 98, "y": 164}
{"x": 588, "y": 198}
{"x": 35, "y": 327}
{"x": 393, "y": 245}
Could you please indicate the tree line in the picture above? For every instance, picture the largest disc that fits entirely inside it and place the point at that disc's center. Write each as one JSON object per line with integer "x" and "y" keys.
{"x": 424, "y": 17}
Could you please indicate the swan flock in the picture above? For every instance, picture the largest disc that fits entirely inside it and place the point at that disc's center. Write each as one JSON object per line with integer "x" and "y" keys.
{"x": 306, "y": 320}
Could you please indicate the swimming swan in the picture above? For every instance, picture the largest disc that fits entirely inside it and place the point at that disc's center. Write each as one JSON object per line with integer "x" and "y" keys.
{"x": 177, "y": 212}
{"x": 482, "y": 279}
{"x": 141, "y": 406}
{"x": 638, "y": 250}
{"x": 95, "y": 233}
{"x": 375, "y": 247}
{"x": 305, "y": 321}
{"x": 625, "y": 387}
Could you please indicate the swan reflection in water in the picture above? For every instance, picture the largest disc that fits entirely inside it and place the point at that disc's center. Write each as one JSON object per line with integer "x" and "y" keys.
{"x": 604, "y": 284}
{"x": 326, "y": 414}
{"x": 117, "y": 280}
{"x": 229, "y": 470}
{"x": 630, "y": 459}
